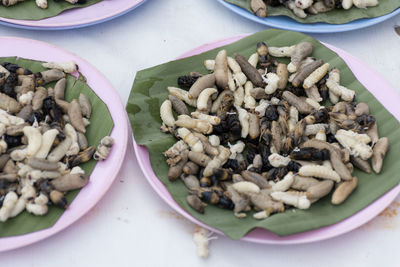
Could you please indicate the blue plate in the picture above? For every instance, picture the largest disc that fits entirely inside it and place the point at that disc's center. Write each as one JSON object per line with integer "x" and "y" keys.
{"x": 76, "y": 26}
{"x": 286, "y": 23}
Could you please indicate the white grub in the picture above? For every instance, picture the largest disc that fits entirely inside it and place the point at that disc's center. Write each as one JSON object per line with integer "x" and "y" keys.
{"x": 293, "y": 118}
{"x": 328, "y": 164}
{"x": 214, "y": 140}
{"x": 67, "y": 67}
{"x": 296, "y": 199}
{"x": 277, "y": 160}
{"x": 3, "y": 146}
{"x": 303, "y": 4}
{"x": 166, "y": 113}
{"x": 233, "y": 65}
{"x": 193, "y": 142}
{"x": 274, "y": 101}
{"x": 313, "y": 103}
{"x": 347, "y": 4}
{"x": 182, "y": 95}
{"x": 355, "y": 143}
{"x": 244, "y": 121}
{"x": 59, "y": 151}
{"x": 10, "y": 120}
{"x": 284, "y": 184}
{"x": 313, "y": 129}
{"x": 297, "y": 11}
{"x": 313, "y": 93}
{"x": 18, "y": 154}
{"x": 272, "y": 81}
{"x": 239, "y": 77}
{"x": 26, "y": 99}
{"x": 261, "y": 108}
{"x": 249, "y": 101}
{"x": 236, "y": 149}
{"x": 261, "y": 215}
{"x": 316, "y": 76}
{"x": 9, "y": 203}
{"x": 23, "y": 169}
{"x": 217, "y": 161}
{"x": 197, "y": 125}
{"x": 201, "y": 238}
{"x": 321, "y": 135}
{"x": 365, "y": 3}
{"x": 209, "y": 64}
{"x": 39, "y": 207}
{"x": 47, "y": 141}
{"x": 253, "y": 60}
{"x": 76, "y": 170}
{"x": 70, "y": 132}
{"x": 104, "y": 148}
{"x": 333, "y": 84}
{"x": 246, "y": 187}
{"x": 214, "y": 120}
{"x": 319, "y": 172}
{"x": 231, "y": 81}
{"x": 238, "y": 96}
{"x": 202, "y": 100}
{"x": 333, "y": 98}
{"x": 285, "y": 51}
{"x": 34, "y": 140}
{"x": 41, "y": 3}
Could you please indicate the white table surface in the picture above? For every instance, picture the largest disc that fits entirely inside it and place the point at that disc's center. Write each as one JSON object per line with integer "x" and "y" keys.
{"x": 131, "y": 225}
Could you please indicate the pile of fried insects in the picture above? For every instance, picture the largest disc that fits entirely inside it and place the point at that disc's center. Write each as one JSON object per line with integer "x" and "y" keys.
{"x": 302, "y": 8}
{"x": 43, "y": 139}
{"x": 40, "y": 3}
{"x": 262, "y": 139}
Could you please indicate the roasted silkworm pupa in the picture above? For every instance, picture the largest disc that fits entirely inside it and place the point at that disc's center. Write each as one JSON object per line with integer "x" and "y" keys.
{"x": 43, "y": 139}
{"x": 262, "y": 136}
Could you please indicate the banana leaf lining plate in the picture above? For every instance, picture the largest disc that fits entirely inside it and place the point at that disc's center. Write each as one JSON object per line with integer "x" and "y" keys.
{"x": 78, "y": 17}
{"x": 104, "y": 172}
{"x": 375, "y": 84}
{"x": 287, "y": 23}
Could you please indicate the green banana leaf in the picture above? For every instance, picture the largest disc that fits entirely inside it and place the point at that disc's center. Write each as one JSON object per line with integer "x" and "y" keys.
{"x": 28, "y": 10}
{"x": 101, "y": 125}
{"x": 150, "y": 90}
{"x": 335, "y": 16}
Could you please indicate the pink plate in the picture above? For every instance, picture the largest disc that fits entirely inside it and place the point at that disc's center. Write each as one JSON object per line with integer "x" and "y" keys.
{"x": 106, "y": 171}
{"x": 374, "y": 83}
{"x": 79, "y": 17}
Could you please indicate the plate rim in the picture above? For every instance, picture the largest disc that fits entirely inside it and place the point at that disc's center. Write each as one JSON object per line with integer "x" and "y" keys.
{"x": 120, "y": 129}
{"x": 30, "y": 24}
{"x": 309, "y": 27}
{"x": 387, "y": 198}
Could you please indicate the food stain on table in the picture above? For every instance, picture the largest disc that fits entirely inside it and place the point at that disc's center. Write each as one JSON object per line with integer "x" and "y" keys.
{"x": 387, "y": 219}
{"x": 171, "y": 215}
